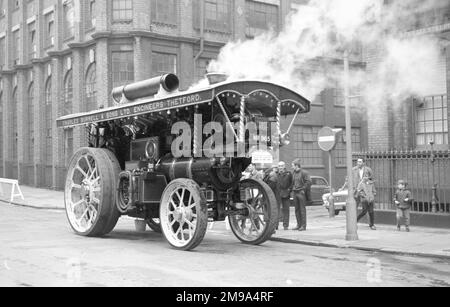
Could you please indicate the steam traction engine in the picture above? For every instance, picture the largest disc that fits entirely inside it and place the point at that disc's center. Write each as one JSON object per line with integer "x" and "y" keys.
{"x": 131, "y": 166}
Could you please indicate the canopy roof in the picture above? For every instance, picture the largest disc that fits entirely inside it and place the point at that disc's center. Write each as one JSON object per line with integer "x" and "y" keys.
{"x": 261, "y": 96}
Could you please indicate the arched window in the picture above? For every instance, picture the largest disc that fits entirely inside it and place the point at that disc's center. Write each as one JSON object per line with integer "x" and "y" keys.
{"x": 1, "y": 129}
{"x": 14, "y": 124}
{"x": 48, "y": 122}
{"x": 91, "y": 88}
{"x": 68, "y": 93}
{"x": 31, "y": 123}
{"x": 68, "y": 109}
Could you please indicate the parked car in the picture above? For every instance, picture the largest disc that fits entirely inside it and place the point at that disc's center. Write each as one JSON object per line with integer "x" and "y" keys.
{"x": 319, "y": 187}
{"x": 340, "y": 201}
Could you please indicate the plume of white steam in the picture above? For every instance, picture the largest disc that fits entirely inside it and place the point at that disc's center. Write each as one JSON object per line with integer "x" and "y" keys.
{"x": 320, "y": 30}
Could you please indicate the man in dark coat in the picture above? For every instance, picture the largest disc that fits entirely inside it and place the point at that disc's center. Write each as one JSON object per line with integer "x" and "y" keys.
{"x": 301, "y": 185}
{"x": 284, "y": 188}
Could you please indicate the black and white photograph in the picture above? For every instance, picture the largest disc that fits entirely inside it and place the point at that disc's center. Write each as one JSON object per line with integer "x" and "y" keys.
{"x": 224, "y": 150}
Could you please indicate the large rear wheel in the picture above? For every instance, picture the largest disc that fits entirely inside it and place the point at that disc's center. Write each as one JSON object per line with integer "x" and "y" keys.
{"x": 258, "y": 225}
{"x": 89, "y": 192}
{"x": 183, "y": 214}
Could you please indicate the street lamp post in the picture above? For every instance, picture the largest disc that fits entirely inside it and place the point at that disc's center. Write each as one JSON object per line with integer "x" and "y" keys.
{"x": 351, "y": 210}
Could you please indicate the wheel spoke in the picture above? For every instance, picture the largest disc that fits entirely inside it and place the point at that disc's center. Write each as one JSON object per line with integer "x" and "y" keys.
{"x": 182, "y": 198}
{"x": 94, "y": 172}
{"x": 75, "y": 186}
{"x": 82, "y": 172}
{"x": 190, "y": 224}
{"x": 173, "y": 204}
{"x": 78, "y": 203}
{"x": 88, "y": 164}
{"x": 263, "y": 224}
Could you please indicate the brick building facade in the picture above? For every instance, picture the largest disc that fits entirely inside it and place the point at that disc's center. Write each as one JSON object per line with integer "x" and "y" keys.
{"x": 415, "y": 122}
{"x": 62, "y": 57}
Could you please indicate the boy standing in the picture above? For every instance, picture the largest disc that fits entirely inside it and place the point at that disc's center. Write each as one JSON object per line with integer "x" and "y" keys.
{"x": 366, "y": 192}
{"x": 402, "y": 200}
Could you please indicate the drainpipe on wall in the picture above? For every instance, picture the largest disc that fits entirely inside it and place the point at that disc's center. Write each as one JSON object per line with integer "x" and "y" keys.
{"x": 202, "y": 35}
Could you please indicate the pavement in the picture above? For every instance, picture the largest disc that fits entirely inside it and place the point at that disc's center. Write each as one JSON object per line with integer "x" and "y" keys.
{"x": 322, "y": 231}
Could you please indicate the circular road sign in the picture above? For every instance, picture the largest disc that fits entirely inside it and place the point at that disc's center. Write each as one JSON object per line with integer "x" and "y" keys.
{"x": 327, "y": 139}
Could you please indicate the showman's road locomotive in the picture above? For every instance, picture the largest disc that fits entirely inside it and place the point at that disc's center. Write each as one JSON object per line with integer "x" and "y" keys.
{"x": 132, "y": 167}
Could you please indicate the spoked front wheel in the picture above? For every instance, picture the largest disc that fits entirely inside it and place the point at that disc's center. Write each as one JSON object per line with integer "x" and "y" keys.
{"x": 183, "y": 214}
{"x": 89, "y": 192}
{"x": 259, "y": 223}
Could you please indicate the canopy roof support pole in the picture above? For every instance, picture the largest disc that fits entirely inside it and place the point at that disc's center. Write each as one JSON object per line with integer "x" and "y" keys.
{"x": 293, "y": 121}
{"x": 242, "y": 120}
{"x": 279, "y": 118}
{"x": 230, "y": 125}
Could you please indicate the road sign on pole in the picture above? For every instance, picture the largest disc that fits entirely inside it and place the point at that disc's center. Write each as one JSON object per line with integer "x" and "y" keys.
{"x": 327, "y": 139}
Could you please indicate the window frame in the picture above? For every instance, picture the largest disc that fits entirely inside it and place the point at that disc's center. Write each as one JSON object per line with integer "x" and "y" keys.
{"x": 158, "y": 72}
{"x": 255, "y": 7}
{"x": 68, "y": 92}
{"x": 15, "y": 123}
{"x": 48, "y": 116}
{"x": 91, "y": 17}
{"x": 49, "y": 32}
{"x": 68, "y": 29}
{"x": 122, "y": 19}
{"x": 128, "y": 72}
{"x": 30, "y": 111}
{"x": 418, "y": 104}
{"x": 91, "y": 73}
{"x": 226, "y": 26}
{"x": 308, "y": 151}
{"x": 156, "y": 16}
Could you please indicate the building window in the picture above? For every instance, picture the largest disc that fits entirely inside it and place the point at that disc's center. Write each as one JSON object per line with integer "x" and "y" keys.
{"x": 69, "y": 19}
{"x": 201, "y": 68}
{"x": 49, "y": 34}
{"x": 48, "y": 137}
{"x": 32, "y": 47}
{"x": 1, "y": 127}
{"x": 91, "y": 14}
{"x": 2, "y": 53}
{"x": 2, "y": 9}
{"x": 218, "y": 15}
{"x": 68, "y": 93}
{"x": 15, "y": 127}
{"x": 16, "y": 47}
{"x": 341, "y": 146}
{"x": 307, "y": 148}
{"x": 91, "y": 88}
{"x": 164, "y": 11}
{"x": 432, "y": 121}
{"x": 68, "y": 109}
{"x": 68, "y": 148}
{"x": 122, "y": 67}
{"x": 163, "y": 63}
{"x": 260, "y": 17}
{"x": 338, "y": 95}
{"x": 122, "y": 10}
{"x": 31, "y": 123}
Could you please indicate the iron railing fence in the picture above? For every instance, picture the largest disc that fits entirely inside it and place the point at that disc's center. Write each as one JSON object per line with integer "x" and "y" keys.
{"x": 427, "y": 174}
